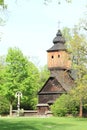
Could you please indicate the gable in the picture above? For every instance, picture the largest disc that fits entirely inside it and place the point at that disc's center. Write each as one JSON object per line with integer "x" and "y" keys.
{"x": 65, "y": 79}
{"x": 52, "y": 86}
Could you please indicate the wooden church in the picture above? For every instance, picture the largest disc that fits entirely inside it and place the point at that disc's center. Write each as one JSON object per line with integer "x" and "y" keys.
{"x": 60, "y": 80}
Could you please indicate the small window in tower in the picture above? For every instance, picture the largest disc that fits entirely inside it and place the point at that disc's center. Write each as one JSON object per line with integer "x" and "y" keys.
{"x": 58, "y": 56}
{"x": 52, "y": 57}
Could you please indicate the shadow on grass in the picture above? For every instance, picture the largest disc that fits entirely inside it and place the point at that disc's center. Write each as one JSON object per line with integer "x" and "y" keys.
{"x": 33, "y": 124}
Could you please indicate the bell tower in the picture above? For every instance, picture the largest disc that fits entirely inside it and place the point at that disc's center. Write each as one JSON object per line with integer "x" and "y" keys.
{"x": 57, "y": 55}
{"x": 60, "y": 80}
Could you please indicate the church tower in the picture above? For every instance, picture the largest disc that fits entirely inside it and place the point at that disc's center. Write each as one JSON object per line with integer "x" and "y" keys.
{"x": 57, "y": 55}
{"x": 60, "y": 80}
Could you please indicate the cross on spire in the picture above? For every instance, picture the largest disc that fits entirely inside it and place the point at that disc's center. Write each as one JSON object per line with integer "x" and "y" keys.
{"x": 59, "y": 24}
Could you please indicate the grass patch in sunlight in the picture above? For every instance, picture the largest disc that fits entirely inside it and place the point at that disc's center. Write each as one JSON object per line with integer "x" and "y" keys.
{"x": 31, "y": 123}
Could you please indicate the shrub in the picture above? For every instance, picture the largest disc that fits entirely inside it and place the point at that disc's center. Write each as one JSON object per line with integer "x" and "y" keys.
{"x": 64, "y": 105}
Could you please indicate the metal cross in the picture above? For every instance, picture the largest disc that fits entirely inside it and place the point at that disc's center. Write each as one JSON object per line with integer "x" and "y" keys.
{"x": 19, "y": 95}
{"x": 59, "y": 24}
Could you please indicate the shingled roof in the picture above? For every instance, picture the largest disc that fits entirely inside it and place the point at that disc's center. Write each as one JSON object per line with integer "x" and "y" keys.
{"x": 65, "y": 79}
{"x": 59, "y": 38}
{"x": 61, "y": 80}
{"x": 59, "y": 42}
{"x": 52, "y": 86}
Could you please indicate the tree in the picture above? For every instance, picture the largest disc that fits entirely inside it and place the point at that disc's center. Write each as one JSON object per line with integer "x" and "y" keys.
{"x": 78, "y": 49}
{"x": 1, "y": 2}
{"x": 79, "y": 93}
{"x": 44, "y": 74}
{"x": 31, "y": 84}
{"x": 19, "y": 76}
{"x": 4, "y": 105}
{"x": 2, "y": 71}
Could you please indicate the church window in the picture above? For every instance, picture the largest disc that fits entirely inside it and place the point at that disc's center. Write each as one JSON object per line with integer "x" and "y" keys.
{"x": 52, "y": 57}
{"x": 58, "y": 56}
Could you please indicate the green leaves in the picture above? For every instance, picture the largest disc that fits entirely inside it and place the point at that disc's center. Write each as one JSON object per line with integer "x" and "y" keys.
{"x": 44, "y": 74}
{"x": 1, "y": 2}
{"x": 20, "y": 75}
{"x": 64, "y": 105}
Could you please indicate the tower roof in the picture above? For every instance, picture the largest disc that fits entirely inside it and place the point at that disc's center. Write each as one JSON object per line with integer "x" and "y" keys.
{"x": 59, "y": 42}
{"x": 59, "y": 38}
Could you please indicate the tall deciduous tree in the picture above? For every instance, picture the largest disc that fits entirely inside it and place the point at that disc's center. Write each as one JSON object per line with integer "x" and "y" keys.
{"x": 78, "y": 49}
{"x": 19, "y": 76}
{"x": 4, "y": 105}
{"x": 31, "y": 84}
{"x": 1, "y": 2}
{"x": 77, "y": 46}
{"x": 44, "y": 74}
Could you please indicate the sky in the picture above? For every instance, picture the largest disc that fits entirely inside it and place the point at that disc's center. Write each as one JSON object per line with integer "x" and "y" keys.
{"x": 31, "y": 25}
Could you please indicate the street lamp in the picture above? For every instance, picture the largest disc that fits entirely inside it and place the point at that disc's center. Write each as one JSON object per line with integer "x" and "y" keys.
{"x": 18, "y": 95}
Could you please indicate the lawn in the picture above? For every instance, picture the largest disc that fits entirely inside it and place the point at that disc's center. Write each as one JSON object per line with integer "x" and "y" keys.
{"x": 51, "y": 123}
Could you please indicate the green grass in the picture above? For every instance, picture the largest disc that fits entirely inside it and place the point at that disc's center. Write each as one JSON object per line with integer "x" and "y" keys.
{"x": 52, "y": 123}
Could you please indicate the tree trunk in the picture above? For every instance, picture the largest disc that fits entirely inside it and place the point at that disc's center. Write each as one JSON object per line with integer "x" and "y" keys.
{"x": 81, "y": 109}
{"x": 10, "y": 109}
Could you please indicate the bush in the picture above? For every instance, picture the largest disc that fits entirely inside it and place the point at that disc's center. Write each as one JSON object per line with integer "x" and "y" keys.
{"x": 64, "y": 105}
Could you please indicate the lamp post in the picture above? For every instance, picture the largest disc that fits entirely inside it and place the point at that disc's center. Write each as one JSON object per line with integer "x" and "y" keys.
{"x": 18, "y": 95}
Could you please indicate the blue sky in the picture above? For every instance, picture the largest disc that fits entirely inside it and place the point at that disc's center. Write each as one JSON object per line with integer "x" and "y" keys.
{"x": 31, "y": 25}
